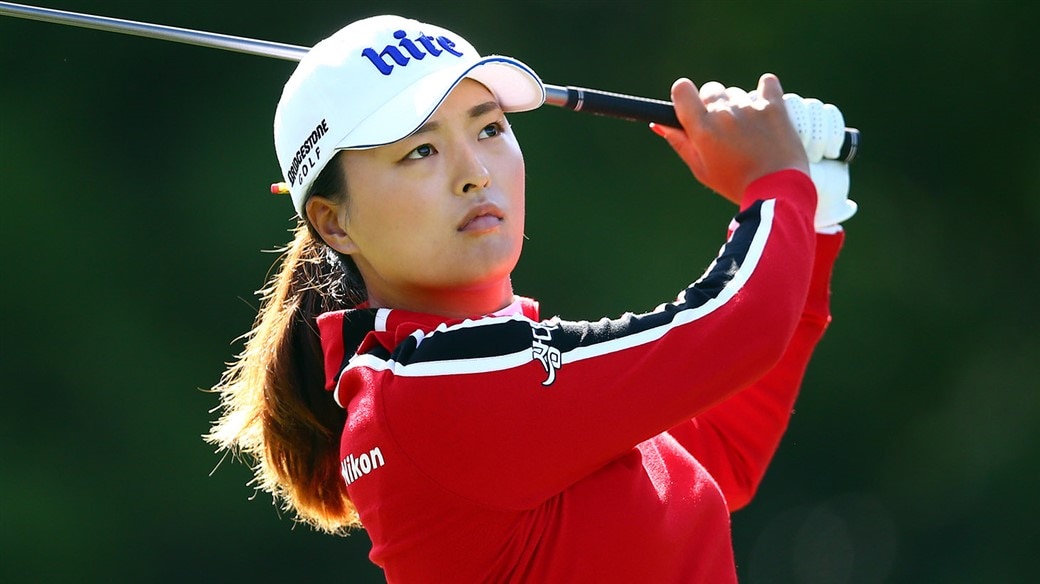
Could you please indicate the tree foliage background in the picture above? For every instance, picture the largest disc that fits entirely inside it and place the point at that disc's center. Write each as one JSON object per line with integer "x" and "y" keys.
{"x": 138, "y": 223}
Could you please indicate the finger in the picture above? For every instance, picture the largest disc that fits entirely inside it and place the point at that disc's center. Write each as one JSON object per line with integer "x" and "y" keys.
{"x": 680, "y": 142}
{"x": 674, "y": 136}
{"x": 712, "y": 91}
{"x": 737, "y": 96}
{"x": 799, "y": 116}
{"x": 817, "y": 138}
{"x": 769, "y": 88}
{"x": 835, "y": 123}
{"x": 689, "y": 108}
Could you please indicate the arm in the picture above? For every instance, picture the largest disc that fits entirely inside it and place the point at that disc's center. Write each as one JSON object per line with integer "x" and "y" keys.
{"x": 479, "y": 412}
{"x": 508, "y": 412}
{"x": 736, "y": 440}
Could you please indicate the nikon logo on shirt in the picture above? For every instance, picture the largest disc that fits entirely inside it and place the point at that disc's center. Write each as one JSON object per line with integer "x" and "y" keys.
{"x": 354, "y": 467}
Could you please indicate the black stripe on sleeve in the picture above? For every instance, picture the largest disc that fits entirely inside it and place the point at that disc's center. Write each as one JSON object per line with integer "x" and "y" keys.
{"x": 474, "y": 342}
{"x": 496, "y": 337}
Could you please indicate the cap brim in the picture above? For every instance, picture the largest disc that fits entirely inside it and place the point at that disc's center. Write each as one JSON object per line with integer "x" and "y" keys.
{"x": 516, "y": 87}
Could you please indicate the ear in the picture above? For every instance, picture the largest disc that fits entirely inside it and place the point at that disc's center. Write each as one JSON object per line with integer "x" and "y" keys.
{"x": 329, "y": 219}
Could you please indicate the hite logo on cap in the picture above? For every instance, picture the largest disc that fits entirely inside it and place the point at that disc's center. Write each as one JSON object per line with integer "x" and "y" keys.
{"x": 378, "y": 59}
{"x": 295, "y": 169}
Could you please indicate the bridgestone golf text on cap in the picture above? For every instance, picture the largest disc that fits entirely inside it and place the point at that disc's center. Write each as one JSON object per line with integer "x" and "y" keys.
{"x": 320, "y": 130}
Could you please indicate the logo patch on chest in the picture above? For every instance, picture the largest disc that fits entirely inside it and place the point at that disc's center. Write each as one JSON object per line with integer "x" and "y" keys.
{"x": 548, "y": 355}
{"x": 354, "y": 467}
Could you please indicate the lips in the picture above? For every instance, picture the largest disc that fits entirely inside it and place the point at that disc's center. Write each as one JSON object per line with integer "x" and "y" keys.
{"x": 483, "y": 217}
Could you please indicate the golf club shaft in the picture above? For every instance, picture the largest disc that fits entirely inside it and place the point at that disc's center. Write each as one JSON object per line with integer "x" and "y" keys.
{"x": 593, "y": 101}
{"x": 156, "y": 31}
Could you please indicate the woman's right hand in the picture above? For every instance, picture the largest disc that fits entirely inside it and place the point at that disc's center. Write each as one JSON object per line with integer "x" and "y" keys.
{"x": 729, "y": 138}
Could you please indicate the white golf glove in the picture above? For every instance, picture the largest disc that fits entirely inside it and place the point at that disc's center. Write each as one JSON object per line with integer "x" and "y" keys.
{"x": 822, "y": 130}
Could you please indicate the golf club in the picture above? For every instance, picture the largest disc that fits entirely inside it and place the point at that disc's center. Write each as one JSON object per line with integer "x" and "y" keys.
{"x": 582, "y": 99}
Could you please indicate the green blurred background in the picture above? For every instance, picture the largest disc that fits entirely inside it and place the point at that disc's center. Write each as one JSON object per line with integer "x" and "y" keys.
{"x": 138, "y": 222}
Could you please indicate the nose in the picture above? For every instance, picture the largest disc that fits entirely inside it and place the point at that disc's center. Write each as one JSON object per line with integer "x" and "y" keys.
{"x": 472, "y": 173}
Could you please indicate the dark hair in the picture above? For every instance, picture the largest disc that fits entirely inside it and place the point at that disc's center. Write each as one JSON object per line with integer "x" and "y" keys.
{"x": 274, "y": 407}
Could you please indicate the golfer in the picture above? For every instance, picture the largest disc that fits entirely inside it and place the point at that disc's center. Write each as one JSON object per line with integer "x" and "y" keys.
{"x": 395, "y": 381}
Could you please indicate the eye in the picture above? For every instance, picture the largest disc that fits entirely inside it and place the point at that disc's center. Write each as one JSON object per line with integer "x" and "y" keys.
{"x": 423, "y": 151}
{"x": 492, "y": 130}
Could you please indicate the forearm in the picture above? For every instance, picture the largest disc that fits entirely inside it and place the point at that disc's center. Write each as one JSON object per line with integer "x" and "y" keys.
{"x": 737, "y": 439}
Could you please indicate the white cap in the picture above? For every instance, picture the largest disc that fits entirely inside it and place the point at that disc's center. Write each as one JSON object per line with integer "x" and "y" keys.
{"x": 376, "y": 81}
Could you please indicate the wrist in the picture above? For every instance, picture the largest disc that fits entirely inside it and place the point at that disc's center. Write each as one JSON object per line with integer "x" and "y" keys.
{"x": 787, "y": 183}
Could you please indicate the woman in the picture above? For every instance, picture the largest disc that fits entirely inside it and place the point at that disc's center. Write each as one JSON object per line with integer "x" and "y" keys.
{"x": 394, "y": 380}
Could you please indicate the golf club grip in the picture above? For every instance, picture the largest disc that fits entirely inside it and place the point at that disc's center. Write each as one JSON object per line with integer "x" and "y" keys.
{"x": 642, "y": 109}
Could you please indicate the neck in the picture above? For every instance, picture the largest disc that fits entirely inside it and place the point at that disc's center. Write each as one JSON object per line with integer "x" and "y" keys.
{"x": 452, "y": 303}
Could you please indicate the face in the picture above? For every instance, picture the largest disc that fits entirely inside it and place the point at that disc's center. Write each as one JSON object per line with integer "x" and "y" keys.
{"x": 435, "y": 221}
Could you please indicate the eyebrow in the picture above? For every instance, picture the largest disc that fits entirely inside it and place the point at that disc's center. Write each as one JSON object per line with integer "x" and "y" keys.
{"x": 474, "y": 112}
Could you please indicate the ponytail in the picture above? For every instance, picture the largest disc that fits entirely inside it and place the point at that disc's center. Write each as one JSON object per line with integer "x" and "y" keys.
{"x": 274, "y": 408}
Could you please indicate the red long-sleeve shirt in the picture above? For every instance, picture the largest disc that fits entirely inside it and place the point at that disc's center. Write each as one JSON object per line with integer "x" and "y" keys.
{"x": 508, "y": 449}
